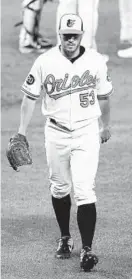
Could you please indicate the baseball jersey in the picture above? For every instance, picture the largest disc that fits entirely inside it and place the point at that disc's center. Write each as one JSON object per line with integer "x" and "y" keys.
{"x": 70, "y": 91}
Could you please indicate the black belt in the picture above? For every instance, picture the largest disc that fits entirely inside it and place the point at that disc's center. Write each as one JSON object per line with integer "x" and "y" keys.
{"x": 53, "y": 121}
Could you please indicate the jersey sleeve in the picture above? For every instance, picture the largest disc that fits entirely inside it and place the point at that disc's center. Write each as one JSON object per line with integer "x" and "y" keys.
{"x": 104, "y": 83}
{"x": 33, "y": 83}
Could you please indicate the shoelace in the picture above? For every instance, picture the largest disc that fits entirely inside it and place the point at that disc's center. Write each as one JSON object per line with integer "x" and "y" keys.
{"x": 65, "y": 242}
{"x": 84, "y": 251}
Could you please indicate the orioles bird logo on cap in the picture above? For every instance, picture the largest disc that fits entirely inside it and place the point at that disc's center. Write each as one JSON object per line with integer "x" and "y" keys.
{"x": 70, "y": 22}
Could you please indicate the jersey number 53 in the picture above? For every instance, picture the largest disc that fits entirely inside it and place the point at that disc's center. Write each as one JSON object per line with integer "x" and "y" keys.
{"x": 87, "y": 99}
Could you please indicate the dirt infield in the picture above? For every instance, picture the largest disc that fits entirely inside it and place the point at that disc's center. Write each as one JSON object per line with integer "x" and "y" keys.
{"x": 28, "y": 227}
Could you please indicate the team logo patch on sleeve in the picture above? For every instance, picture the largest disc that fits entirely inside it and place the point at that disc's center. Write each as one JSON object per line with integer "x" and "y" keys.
{"x": 30, "y": 79}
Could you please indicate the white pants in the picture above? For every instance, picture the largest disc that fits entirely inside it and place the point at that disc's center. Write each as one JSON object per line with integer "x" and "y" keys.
{"x": 125, "y": 9}
{"x": 31, "y": 13}
{"x": 72, "y": 159}
{"x": 88, "y": 11}
{"x": 35, "y": 5}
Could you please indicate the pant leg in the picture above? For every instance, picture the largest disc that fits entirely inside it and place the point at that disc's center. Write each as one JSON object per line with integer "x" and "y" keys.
{"x": 125, "y": 10}
{"x": 31, "y": 11}
{"x": 88, "y": 11}
{"x": 84, "y": 164}
{"x": 57, "y": 145}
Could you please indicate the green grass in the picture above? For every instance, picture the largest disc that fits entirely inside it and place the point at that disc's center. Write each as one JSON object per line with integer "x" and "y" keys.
{"x": 29, "y": 229}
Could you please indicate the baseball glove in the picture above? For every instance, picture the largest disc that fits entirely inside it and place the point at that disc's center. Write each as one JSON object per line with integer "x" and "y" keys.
{"x": 18, "y": 151}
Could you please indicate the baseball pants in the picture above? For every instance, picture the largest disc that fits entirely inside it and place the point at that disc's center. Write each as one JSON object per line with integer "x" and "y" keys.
{"x": 72, "y": 159}
{"x": 125, "y": 9}
{"x": 31, "y": 13}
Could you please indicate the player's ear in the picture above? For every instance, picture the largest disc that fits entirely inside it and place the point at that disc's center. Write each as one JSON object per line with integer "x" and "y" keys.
{"x": 81, "y": 36}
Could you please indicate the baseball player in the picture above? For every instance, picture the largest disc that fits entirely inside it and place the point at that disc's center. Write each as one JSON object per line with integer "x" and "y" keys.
{"x": 125, "y": 12}
{"x": 29, "y": 37}
{"x": 88, "y": 11}
{"x": 76, "y": 89}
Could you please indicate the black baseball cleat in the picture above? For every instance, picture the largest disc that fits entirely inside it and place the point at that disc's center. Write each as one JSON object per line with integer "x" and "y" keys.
{"x": 65, "y": 247}
{"x": 87, "y": 259}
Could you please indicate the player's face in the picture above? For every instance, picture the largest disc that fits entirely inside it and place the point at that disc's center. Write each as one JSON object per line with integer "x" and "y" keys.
{"x": 70, "y": 42}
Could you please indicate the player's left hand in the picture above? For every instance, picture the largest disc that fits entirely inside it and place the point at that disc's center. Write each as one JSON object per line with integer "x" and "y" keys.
{"x": 18, "y": 151}
{"x": 105, "y": 134}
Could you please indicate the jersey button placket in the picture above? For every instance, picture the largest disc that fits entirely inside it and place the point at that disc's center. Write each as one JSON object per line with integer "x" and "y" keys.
{"x": 71, "y": 107}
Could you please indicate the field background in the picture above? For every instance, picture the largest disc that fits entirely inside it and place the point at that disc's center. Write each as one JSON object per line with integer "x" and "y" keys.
{"x": 28, "y": 227}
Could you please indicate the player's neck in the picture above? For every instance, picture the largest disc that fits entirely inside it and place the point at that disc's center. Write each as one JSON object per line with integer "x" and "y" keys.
{"x": 69, "y": 55}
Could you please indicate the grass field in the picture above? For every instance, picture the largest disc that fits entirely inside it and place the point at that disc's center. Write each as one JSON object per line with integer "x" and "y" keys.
{"x": 28, "y": 227}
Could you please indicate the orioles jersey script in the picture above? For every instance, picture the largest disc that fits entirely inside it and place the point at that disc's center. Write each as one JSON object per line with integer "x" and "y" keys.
{"x": 70, "y": 90}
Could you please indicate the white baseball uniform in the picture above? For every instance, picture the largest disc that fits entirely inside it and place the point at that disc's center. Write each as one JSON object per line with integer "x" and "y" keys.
{"x": 88, "y": 11}
{"x": 125, "y": 9}
{"x": 31, "y": 11}
{"x": 70, "y": 103}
